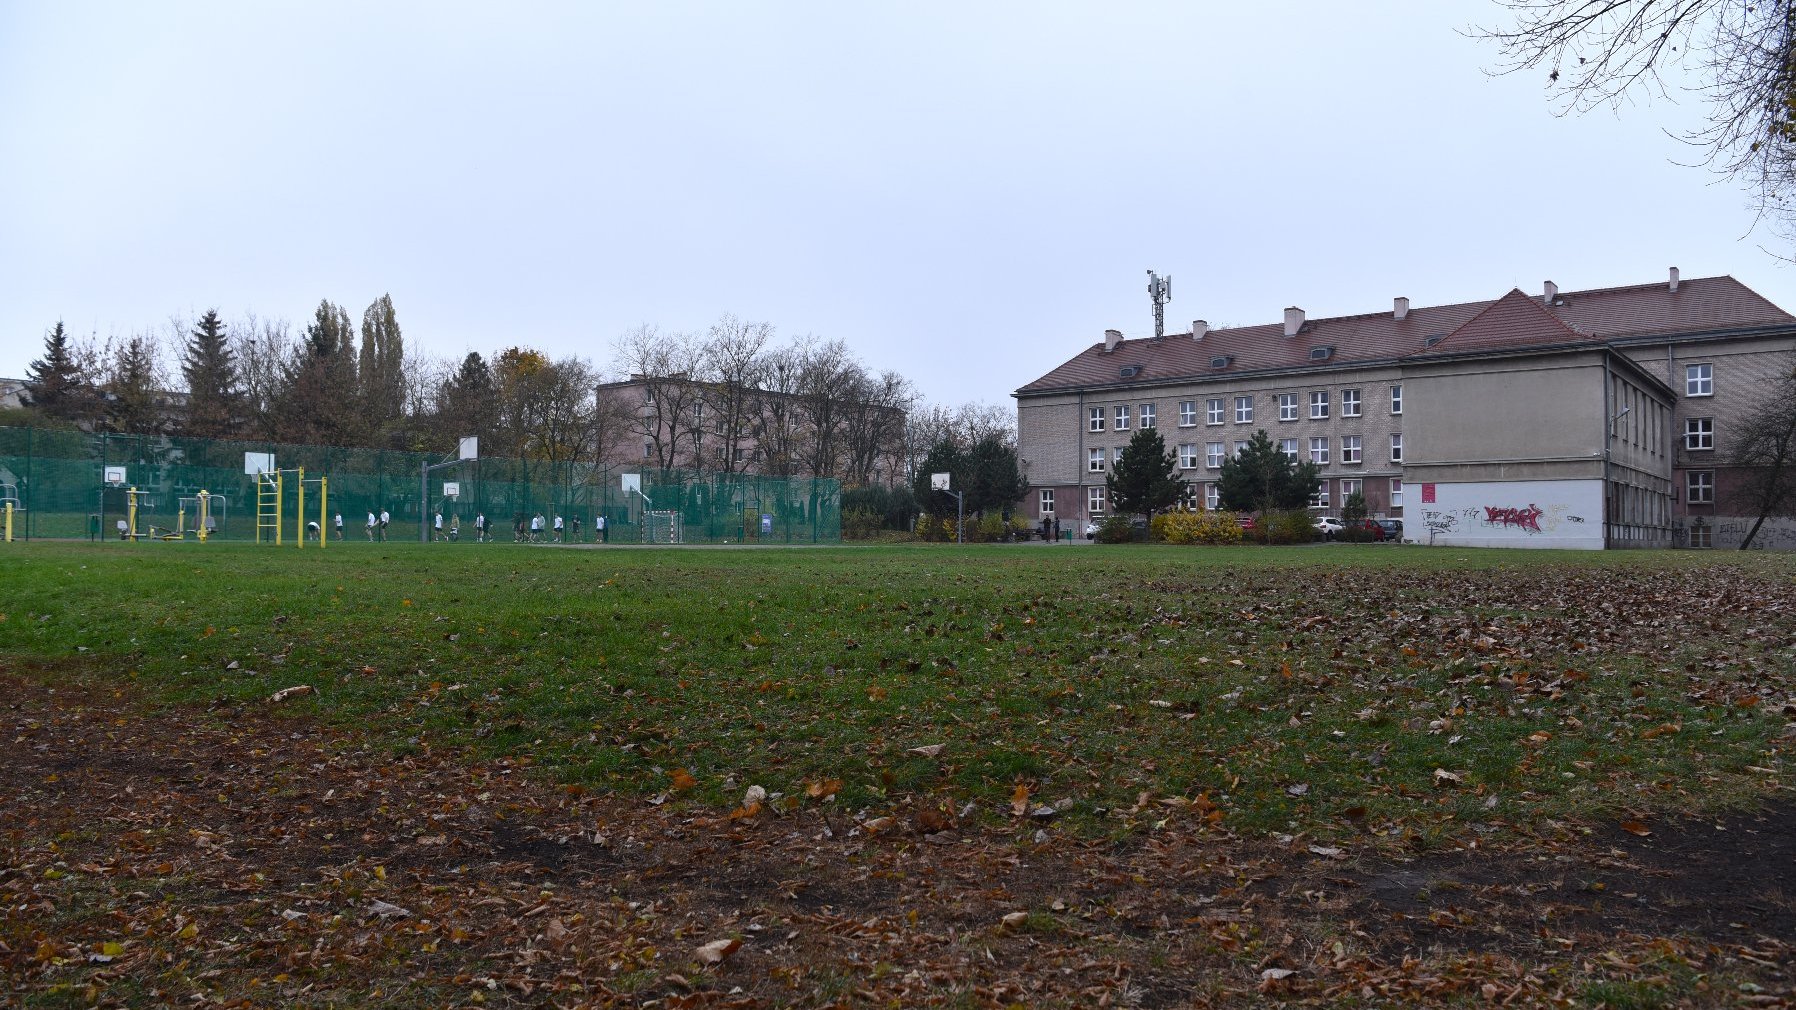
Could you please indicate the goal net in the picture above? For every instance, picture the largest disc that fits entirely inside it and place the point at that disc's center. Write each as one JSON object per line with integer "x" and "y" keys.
{"x": 662, "y": 527}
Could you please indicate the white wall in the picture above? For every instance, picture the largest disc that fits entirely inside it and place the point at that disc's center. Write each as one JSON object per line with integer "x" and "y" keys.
{"x": 1531, "y": 513}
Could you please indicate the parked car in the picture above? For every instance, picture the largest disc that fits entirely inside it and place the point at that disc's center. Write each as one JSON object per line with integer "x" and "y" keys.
{"x": 1328, "y": 527}
{"x": 1246, "y": 522}
{"x": 1369, "y": 530}
{"x": 1393, "y": 529}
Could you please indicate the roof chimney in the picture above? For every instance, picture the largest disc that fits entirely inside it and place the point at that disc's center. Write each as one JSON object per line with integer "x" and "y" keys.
{"x": 1674, "y": 278}
{"x": 1199, "y": 327}
{"x": 1552, "y": 292}
{"x": 1399, "y": 308}
{"x": 1111, "y": 339}
{"x": 1293, "y": 321}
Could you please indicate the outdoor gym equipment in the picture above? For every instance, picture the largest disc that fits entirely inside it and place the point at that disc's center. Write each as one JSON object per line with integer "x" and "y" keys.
{"x": 271, "y": 503}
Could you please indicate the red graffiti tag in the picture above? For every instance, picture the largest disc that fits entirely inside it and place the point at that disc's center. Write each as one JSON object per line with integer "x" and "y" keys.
{"x": 1528, "y": 518}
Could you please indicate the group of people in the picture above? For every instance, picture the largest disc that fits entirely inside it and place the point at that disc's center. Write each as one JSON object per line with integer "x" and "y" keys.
{"x": 530, "y": 530}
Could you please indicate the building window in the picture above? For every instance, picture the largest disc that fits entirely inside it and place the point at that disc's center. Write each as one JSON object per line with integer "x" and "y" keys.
{"x": 1243, "y": 410}
{"x": 648, "y": 395}
{"x": 1212, "y": 497}
{"x": 1047, "y": 501}
{"x": 1097, "y": 420}
{"x": 1319, "y": 451}
{"x": 1094, "y": 500}
{"x": 1288, "y": 446}
{"x": 1396, "y": 447}
{"x": 1349, "y": 488}
{"x": 1240, "y": 447}
{"x": 1699, "y": 433}
{"x": 1287, "y": 406}
{"x": 1122, "y": 418}
{"x": 648, "y": 450}
{"x": 1396, "y": 492}
{"x": 1213, "y": 455}
{"x": 1396, "y": 399}
{"x": 1349, "y": 449}
{"x": 1147, "y": 415}
{"x": 1319, "y": 500}
{"x": 738, "y": 454}
{"x": 1213, "y": 410}
{"x": 1699, "y": 380}
{"x": 1699, "y": 486}
{"x": 1095, "y": 461}
{"x": 1188, "y": 456}
{"x": 1319, "y": 405}
{"x": 1702, "y": 536}
{"x": 1187, "y": 413}
{"x": 1349, "y": 403}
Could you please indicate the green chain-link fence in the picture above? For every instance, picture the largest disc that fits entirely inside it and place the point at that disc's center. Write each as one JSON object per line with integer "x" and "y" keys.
{"x": 56, "y": 482}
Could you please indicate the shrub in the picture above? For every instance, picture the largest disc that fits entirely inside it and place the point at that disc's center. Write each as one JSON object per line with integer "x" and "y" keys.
{"x": 1201, "y": 526}
{"x": 1292, "y": 526}
{"x": 989, "y": 528}
{"x": 1115, "y": 529}
{"x": 861, "y": 524}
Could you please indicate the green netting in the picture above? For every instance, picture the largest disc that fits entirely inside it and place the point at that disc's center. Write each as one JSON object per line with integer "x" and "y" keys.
{"x": 56, "y": 481}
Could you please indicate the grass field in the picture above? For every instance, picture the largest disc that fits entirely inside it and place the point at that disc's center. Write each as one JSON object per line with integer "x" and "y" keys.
{"x": 1410, "y": 687}
{"x": 1382, "y": 701}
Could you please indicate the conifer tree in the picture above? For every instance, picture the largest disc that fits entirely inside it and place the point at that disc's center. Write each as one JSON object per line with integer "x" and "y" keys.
{"x": 1146, "y": 479}
{"x": 215, "y": 401}
{"x": 56, "y": 384}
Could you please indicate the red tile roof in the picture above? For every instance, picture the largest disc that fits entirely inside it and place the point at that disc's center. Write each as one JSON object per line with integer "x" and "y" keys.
{"x": 1702, "y": 305}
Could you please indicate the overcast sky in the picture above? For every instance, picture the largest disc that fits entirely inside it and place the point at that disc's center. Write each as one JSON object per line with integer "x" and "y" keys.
{"x": 966, "y": 194}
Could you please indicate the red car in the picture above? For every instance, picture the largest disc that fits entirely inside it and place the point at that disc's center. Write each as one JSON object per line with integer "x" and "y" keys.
{"x": 1368, "y": 529}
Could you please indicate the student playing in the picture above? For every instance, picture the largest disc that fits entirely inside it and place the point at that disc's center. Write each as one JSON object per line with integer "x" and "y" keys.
{"x": 339, "y": 523}
{"x": 371, "y": 522}
{"x": 385, "y": 518}
{"x": 558, "y": 527}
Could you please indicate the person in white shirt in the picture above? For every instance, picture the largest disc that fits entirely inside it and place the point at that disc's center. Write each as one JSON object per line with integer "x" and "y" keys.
{"x": 385, "y": 518}
{"x": 536, "y": 527}
{"x": 371, "y": 522}
{"x": 480, "y": 528}
{"x": 558, "y": 527}
{"x": 439, "y": 525}
{"x": 339, "y": 518}
{"x": 604, "y": 530}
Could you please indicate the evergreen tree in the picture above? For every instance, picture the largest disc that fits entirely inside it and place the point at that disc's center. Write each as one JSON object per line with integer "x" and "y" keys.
{"x": 1260, "y": 478}
{"x": 382, "y": 364}
{"x": 316, "y": 404}
{"x": 215, "y": 401}
{"x": 1146, "y": 479}
{"x": 133, "y": 387}
{"x": 56, "y": 384}
{"x": 468, "y": 403}
{"x": 991, "y": 477}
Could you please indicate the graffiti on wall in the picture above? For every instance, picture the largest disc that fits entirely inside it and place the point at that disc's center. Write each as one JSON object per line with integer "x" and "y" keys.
{"x": 1776, "y": 534}
{"x": 1530, "y": 519}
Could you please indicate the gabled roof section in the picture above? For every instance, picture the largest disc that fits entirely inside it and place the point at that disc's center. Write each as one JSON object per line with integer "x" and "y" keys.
{"x": 1514, "y": 320}
{"x": 1604, "y": 315}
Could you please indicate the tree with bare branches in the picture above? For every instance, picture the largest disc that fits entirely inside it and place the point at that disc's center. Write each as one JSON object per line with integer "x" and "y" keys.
{"x": 1741, "y": 52}
{"x": 1765, "y": 452}
{"x": 732, "y": 360}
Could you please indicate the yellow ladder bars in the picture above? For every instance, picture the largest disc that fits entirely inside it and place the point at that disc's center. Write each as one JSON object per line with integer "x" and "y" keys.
{"x": 268, "y": 505}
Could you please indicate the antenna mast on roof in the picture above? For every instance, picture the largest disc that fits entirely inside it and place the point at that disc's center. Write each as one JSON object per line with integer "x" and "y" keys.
{"x": 1160, "y": 289}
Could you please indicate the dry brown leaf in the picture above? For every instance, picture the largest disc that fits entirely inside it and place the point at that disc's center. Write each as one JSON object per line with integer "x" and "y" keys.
{"x": 929, "y": 750}
{"x": 286, "y": 693}
{"x": 1015, "y": 920}
{"x": 715, "y": 951}
{"x": 1019, "y": 800}
{"x": 1636, "y": 828}
{"x": 682, "y": 779}
{"x": 823, "y": 788}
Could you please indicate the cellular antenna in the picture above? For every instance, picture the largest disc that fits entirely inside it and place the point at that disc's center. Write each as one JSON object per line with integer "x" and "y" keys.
{"x": 1160, "y": 290}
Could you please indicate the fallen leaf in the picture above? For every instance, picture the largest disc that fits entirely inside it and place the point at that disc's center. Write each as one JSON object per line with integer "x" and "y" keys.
{"x": 1444, "y": 777}
{"x": 1019, "y": 800}
{"x": 1636, "y": 828}
{"x": 929, "y": 750}
{"x": 823, "y": 789}
{"x": 715, "y": 951}
{"x": 387, "y": 910}
{"x": 1015, "y": 920}
{"x": 290, "y": 692}
{"x": 682, "y": 779}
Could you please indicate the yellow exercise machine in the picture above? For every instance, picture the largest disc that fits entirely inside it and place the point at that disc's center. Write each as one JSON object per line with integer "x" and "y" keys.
{"x": 270, "y": 502}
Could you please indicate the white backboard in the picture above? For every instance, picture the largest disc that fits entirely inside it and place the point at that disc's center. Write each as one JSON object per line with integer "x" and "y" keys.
{"x": 258, "y": 462}
{"x": 938, "y": 481}
{"x": 469, "y": 448}
{"x": 452, "y": 489}
{"x": 632, "y": 482}
{"x": 115, "y": 475}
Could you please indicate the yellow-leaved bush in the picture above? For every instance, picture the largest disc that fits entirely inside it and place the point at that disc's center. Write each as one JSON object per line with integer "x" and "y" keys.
{"x": 1201, "y": 526}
